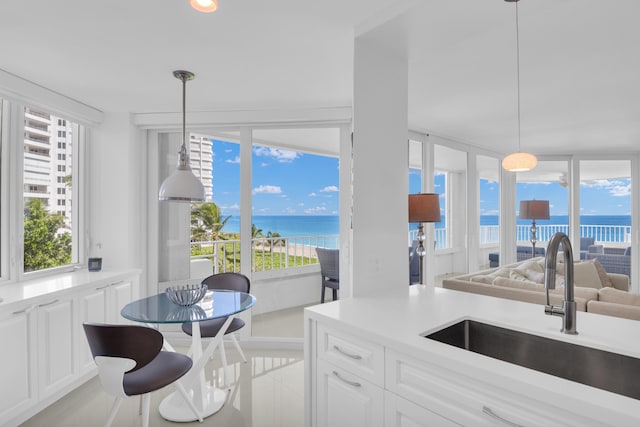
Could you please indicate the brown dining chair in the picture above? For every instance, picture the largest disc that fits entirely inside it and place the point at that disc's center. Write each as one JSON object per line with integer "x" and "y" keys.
{"x": 211, "y": 328}
{"x": 131, "y": 362}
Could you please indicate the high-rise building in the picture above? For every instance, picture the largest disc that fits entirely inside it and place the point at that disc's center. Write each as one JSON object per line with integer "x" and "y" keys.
{"x": 48, "y": 162}
{"x": 201, "y": 159}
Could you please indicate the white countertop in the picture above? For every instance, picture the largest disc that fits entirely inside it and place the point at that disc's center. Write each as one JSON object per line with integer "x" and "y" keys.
{"x": 400, "y": 318}
{"x": 59, "y": 284}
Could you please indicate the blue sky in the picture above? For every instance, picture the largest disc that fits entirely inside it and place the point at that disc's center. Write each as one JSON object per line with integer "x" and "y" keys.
{"x": 284, "y": 182}
{"x": 294, "y": 183}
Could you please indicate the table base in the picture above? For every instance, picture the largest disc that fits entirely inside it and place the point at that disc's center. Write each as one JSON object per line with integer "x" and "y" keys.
{"x": 174, "y": 408}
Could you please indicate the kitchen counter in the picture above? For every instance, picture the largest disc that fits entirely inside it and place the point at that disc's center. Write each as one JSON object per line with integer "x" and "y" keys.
{"x": 59, "y": 284}
{"x": 399, "y": 319}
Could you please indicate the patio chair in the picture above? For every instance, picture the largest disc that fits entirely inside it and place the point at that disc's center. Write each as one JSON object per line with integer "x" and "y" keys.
{"x": 329, "y": 260}
{"x": 210, "y": 328}
{"x": 130, "y": 362}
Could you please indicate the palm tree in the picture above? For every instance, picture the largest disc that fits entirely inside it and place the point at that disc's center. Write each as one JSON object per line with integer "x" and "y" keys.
{"x": 206, "y": 223}
{"x": 272, "y": 240}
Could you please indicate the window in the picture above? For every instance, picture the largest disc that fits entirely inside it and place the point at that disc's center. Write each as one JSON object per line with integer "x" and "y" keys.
{"x": 50, "y": 225}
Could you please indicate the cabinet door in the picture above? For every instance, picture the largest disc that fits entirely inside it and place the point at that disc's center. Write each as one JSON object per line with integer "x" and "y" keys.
{"x": 344, "y": 399}
{"x": 93, "y": 306}
{"x": 56, "y": 336}
{"x": 119, "y": 295}
{"x": 399, "y": 412}
{"x": 17, "y": 370}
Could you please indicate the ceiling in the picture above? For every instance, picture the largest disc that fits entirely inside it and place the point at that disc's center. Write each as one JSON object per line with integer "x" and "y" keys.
{"x": 579, "y": 61}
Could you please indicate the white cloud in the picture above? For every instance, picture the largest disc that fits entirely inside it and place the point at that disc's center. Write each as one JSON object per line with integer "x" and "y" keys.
{"x": 264, "y": 165}
{"x": 300, "y": 204}
{"x": 329, "y": 189}
{"x": 228, "y": 150}
{"x": 620, "y": 190}
{"x": 316, "y": 210}
{"x": 267, "y": 189}
{"x": 289, "y": 210}
{"x": 235, "y": 206}
{"x": 234, "y": 161}
{"x": 312, "y": 194}
{"x": 282, "y": 156}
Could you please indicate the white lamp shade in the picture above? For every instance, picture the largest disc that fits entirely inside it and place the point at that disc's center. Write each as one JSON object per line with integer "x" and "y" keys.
{"x": 519, "y": 162}
{"x": 182, "y": 186}
{"x": 206, "y": 6}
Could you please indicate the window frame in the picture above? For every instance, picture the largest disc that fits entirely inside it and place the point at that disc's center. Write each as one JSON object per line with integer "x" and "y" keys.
{"x": 12, "y": 192}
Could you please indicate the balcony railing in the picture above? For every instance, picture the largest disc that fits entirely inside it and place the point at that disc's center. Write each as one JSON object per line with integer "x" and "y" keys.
{"x": 276, "y": 253}
{"x": 267, "y": 253}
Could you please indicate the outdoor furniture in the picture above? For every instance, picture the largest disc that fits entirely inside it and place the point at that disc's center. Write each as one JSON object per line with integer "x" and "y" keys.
{"x": 329, "y": 260}
{"x": 130, "y": 362}
{"x": 522, "y": 253}
{"x": 211, "y": 328}
{"x": 614, "y": 260}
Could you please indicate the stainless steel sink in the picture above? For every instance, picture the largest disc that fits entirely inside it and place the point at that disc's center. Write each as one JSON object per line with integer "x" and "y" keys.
{"x": 613, "y": 372}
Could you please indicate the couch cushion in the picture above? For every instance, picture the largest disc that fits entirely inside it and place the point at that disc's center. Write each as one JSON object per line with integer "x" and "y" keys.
{"x": 517, "y": 284}
{"x": 587, "y": 294}
{"x": 483, "y": 278}
{"x": 618, "y": 297}
{"x": 586, "y": 275}
{"x": 604, "y": 277}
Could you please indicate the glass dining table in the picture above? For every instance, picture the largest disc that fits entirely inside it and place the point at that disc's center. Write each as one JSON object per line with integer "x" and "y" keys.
{"x": 158, "y": 309}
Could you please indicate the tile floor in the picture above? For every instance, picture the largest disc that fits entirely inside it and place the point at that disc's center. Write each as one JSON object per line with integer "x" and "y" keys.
{"x": 267, "y": 391}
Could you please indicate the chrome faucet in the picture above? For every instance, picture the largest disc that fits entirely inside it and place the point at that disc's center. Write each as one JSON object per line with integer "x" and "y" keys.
{"x": 568, "y": 309}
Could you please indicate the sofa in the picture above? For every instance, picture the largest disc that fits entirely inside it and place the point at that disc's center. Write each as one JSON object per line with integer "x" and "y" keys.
{"x": 596, "y": 290}
{"x": 614, "y": 260}
{"x": 523, "y": 253}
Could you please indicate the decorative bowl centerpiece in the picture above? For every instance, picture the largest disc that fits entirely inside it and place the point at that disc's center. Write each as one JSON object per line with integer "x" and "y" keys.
{"x": 186, "y": 295}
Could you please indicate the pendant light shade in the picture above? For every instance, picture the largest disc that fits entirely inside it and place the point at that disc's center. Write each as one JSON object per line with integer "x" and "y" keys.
{"x": 519, "y": 161}
{"x": 182, "y": 185}
{"x": 205, "y": 6}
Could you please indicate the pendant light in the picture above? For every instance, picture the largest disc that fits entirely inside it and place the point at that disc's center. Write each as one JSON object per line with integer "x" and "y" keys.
{"x": 519, "y": 161}
{"x": 182, "y": 185}
{"x": 205, "y": 6}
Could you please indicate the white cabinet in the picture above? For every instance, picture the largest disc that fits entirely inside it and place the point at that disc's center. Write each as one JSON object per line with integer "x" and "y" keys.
{"x": 46, "y": 352}
{"x": 344, "y": 399}
{"x": 102, "y": 304}
{"x": 56, "y": 343}
{"x": 17, "y": 376}
{"x": 399, "y": 412}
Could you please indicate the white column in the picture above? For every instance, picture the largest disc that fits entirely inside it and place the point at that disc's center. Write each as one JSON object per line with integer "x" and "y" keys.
{"x": 346, "y": 260}
{"x": 507, "y": 217}
{"x": 246, "y": 146}
{"x": 380, "y": 169}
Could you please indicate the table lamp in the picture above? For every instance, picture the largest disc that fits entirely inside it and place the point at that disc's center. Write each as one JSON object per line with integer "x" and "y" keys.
{"x": 534, "y": 209}
{"x": 423, "y": 207}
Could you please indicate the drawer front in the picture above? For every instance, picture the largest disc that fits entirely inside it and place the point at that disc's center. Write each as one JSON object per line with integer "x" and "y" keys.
{"x": 363, "y": 358}
{"x": 467, "y": 401}
{"x": 345, "y": 399}
{"x": 399, "y": 412}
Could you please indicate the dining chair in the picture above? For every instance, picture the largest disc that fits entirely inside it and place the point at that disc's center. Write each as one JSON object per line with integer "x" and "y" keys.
{"x": 131, "y": 362}
{"x": 211, "y": 328}
{"x": 329, "y": 260}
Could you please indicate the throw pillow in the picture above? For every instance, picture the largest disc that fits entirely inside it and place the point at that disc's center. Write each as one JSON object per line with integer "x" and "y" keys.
{"x": 618, "y": 297}
{"x": 483, "y": 278}
{"x": 532, "y": 264}
{"x": 517, "y": 274}
{"x": 518, "y": 284}
{"x": 604, "y": 277}
{"x": 535, "y": 276}
{"x": 586, "y": 275}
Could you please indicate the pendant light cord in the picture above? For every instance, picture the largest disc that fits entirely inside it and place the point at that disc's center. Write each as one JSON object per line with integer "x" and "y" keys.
{"x": 518, "y": 70}
{"x": 184, "y": 111}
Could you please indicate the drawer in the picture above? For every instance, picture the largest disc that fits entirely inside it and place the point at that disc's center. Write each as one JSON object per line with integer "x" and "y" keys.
{"x": 399, "y": 412}
{"x": 467, "y": 401}
{"x": 361, "y": 357}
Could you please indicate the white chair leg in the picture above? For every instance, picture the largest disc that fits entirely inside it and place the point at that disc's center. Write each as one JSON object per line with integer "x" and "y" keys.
{"x": 114, "y": 411}
{"x": 146, "y": 399}
{"x": 187, "y": 399}
{"x": 225, "y": 367}
{"x": 237, "y": 344}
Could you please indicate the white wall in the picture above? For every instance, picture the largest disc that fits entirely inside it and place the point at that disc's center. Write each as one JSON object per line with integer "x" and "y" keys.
{"x": 117, "y": 171}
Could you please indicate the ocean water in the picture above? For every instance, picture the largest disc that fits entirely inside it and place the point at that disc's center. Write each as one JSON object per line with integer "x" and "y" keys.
{"x": 324, "y": 225}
